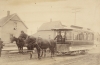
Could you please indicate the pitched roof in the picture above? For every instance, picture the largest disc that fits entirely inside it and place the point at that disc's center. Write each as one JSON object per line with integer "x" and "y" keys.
{"x": 50, "y": 25}
{"x": 4, "y": 20}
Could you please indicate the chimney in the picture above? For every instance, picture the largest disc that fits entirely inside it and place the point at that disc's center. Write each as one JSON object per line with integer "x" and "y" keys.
{"x": 50, "y": 20}
{"x": 8, "y": 13}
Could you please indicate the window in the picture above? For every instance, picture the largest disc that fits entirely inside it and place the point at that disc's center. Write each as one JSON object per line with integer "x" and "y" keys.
{"x": 68, "y": 35}
{"x": 76, "y": 35}
{"x": 63, "y": 33}
{"x": 81, "y": 36}
{"x": 90, "y": 36}
{"x": 85, "y": 36}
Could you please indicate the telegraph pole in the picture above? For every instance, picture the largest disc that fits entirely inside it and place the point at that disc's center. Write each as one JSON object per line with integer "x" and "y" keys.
{"x": 75, "y": 11}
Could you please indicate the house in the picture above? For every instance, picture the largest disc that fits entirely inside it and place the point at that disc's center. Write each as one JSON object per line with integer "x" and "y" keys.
{"x": 11, "y": 25}
{"x": 45, "y": 30}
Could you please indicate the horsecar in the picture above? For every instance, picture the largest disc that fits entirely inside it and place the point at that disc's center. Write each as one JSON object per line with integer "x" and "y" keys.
{"x": 74, "y": 41}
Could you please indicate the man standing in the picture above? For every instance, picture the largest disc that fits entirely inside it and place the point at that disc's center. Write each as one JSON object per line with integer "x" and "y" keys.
{"x": 58, "y": 37}
{"x": 1, "y": 46}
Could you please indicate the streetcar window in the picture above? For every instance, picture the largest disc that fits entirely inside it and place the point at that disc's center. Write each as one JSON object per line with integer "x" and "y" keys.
{"x": 90, "y": 36}
{"x": 63, "y": 33}
{"x": 58, "y": 36}
{"x": 85, "y": 36}
{"x": 76, "y": 35}
{"x": 81, "y": 36}
{"x": 68, "y": 35}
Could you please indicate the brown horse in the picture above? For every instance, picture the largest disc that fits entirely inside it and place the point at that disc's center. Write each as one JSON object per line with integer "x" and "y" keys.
{"x": 19, "y": 43}
{"x": 0, "y": 50}
{"x": 41, "y": 44}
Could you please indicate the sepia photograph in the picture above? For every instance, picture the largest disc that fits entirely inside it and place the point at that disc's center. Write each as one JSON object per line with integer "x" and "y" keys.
{"x": 49, "y": 32}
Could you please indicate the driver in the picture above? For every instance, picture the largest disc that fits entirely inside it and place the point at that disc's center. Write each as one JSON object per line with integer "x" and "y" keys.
{"x": 58, "y": 37}
{"x": 23, "y": 35}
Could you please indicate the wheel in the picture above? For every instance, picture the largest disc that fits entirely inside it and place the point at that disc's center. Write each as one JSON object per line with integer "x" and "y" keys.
{"x": 83, "y": 52}
{"x": 74, "y": 53}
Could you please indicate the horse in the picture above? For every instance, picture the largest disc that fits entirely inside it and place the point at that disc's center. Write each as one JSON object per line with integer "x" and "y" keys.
{"x": 0, "y": 50}
{"x": 19, "y": 43}
{"x": 1, "y": 47}
{"x": 41, "y": 44}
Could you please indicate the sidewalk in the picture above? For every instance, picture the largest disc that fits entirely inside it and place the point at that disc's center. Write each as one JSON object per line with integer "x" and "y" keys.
{"x": 11, "y": 48}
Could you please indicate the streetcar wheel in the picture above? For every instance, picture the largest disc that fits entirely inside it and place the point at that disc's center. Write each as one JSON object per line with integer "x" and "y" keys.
{"x": 83, "y": 52}
{"x": 73, "y": 53}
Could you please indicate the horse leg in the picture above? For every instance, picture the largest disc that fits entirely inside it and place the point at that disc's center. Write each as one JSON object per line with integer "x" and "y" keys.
{"x": 27, "y": 49}
{"x": 38, "y": 51}
{"x": 51, "y": 52}
{"x": 18, "y": 49}
{"x": 22, "y": 49}
{"x": 39, "y": 57}
{"x": 31, "y": 52}
{"x": 0, "y": 52}
{"x": 30, "y": 55}
{"x": 44, "y": 52}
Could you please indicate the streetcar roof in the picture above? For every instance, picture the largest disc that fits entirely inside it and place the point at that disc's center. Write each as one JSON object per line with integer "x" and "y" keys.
{"x": 71, "y": 29}
{"x": 62, "y": 29}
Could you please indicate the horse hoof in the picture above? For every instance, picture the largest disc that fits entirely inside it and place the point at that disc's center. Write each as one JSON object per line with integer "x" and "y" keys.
{"x": 39, "y": 58}
{"x": 30, "y": 58}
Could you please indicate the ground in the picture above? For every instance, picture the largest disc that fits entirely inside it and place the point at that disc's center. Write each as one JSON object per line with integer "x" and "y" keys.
{"x": 15, "y": 58}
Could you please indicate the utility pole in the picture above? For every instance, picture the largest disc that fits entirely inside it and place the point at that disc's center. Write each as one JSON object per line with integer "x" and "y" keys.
{"x": 75, "y": 11}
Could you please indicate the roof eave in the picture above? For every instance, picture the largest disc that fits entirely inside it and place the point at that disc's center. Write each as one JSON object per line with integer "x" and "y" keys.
{"x": 7, "y": 21}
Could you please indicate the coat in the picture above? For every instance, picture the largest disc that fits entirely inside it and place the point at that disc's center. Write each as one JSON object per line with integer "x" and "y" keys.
{"x": 59, "y": 38}
{"x": 23, "y": 36}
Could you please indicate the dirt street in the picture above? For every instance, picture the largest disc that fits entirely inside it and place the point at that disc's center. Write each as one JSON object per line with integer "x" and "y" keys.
{"x": 14, "y": 58}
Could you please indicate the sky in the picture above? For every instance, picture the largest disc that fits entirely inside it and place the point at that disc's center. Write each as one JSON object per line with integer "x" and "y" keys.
{"x": 36, "y": 12}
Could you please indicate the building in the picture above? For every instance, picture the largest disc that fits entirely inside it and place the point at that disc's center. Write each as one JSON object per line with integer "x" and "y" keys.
{"x": 45, "y": 30}
{"x": 11, "y": 25}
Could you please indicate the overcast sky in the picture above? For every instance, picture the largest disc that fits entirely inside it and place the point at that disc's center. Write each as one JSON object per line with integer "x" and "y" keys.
{"x": 36, "y": 12}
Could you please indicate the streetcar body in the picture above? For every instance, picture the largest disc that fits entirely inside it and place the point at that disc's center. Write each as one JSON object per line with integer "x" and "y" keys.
{"x": 74, "y": 40}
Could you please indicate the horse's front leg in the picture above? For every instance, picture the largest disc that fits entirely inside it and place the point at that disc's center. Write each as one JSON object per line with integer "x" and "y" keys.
{"x": 45, "y": 53}
{"x": 38, "y": 51}
{"x": 31, "y": 52}
{"x": 19, "y": 49}
{"x": 42, "y": 53}
{"x": 0, "y": 52}
{"x": 22, "y": 49}
{"x": 30, "y": 55}
{"x": 51, "y": 51}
